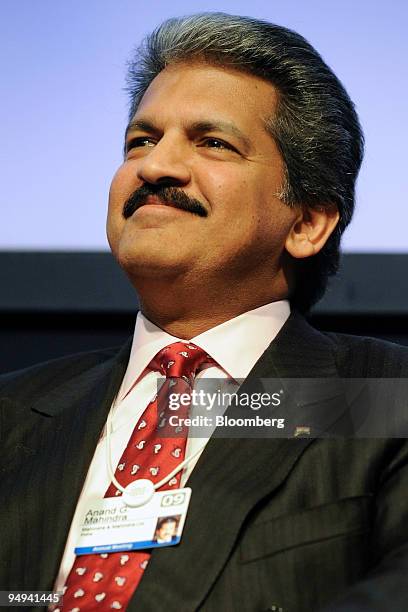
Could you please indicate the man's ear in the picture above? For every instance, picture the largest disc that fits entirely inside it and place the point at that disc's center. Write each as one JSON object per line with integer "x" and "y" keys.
{"x": 311, "y": 230}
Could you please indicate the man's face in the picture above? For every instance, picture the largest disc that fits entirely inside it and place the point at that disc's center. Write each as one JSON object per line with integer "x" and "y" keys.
{"x": 167, "y": 531}
{"x": 200, "y": 130}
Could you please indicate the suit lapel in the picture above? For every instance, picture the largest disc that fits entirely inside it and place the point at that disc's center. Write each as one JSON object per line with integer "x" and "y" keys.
{"x": 231, "y": 477}
{"x": 67, "y": 424}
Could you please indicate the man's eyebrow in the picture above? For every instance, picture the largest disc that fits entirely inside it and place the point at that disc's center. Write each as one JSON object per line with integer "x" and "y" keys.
{"x": 221, "y": 126}
{"x": 142, "y": 125}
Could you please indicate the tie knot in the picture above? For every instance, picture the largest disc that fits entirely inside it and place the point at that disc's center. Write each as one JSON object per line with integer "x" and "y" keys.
{"x": 180, "y": 359}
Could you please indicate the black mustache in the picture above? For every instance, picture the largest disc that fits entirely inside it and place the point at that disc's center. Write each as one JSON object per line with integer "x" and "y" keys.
{"x": 167, "y": 195}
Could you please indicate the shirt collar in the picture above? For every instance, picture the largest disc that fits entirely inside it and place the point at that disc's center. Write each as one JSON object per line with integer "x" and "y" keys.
{"x": 236, "y": 345}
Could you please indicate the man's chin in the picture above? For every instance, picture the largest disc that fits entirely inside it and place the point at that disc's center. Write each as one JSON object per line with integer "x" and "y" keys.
{"x": 150, "y": 263}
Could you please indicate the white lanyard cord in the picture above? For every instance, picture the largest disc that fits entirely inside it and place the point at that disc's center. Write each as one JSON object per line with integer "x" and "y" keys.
{"x": 158, "y": 484}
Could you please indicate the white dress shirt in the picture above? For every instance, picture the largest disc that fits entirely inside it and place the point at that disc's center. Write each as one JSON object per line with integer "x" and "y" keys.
{"x": 235, "y": 345}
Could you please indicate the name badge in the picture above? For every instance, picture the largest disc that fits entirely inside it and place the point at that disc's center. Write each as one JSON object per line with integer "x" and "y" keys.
{"x": 110, "y": 525}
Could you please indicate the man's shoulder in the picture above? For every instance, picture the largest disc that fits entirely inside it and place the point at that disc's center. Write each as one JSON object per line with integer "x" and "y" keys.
{"x": 42, "y": 376}
{"x": 367, "y": 356}
{"x": 304, "y": 349}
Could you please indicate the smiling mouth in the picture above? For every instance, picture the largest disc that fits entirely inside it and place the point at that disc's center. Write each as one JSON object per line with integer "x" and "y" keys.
{"x": 155, "y": 205}
{"x": 155, "y": 201}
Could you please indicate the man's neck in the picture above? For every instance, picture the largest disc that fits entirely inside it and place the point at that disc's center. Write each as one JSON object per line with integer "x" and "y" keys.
{"x": 189, "y": 326}
{"x": 190, "y": 314}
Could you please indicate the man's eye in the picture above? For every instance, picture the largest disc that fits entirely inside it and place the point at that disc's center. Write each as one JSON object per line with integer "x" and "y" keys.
{"x": 216, "y": 143}
{"x": 140, "y": 141}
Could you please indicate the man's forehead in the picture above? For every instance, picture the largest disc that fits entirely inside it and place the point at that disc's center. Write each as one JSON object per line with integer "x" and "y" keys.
{"x": 206, "y": 98}
{"x": 217, "y": 88}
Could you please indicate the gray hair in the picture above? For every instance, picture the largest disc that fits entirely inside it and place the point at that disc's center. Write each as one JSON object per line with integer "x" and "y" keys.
{"x": 315, "y": 125}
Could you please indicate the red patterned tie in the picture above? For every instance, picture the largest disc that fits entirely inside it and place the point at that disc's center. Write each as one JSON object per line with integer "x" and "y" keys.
{"x": 107, "y": 581}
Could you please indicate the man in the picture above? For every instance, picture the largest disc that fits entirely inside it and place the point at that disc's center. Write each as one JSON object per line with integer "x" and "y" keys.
{"x": 241, "y": 157}
{"x": 166, "y": 529}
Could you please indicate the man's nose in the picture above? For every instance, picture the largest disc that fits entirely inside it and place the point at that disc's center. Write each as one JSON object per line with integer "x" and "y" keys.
{"x": 165, "y": 162}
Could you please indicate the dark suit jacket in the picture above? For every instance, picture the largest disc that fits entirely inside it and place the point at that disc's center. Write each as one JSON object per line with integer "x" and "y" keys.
{"x": 293, "y": 523}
